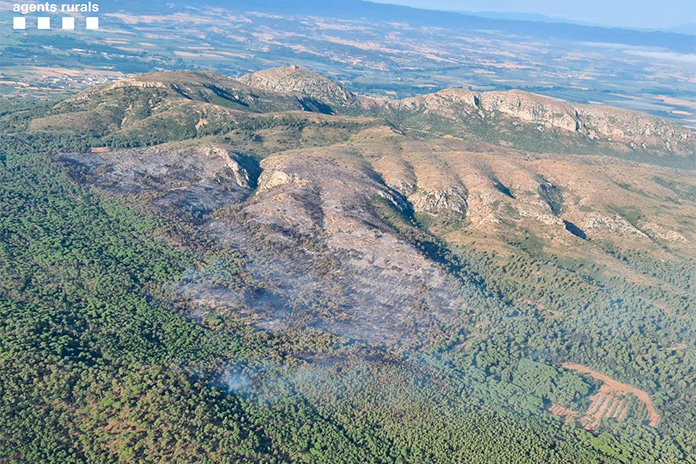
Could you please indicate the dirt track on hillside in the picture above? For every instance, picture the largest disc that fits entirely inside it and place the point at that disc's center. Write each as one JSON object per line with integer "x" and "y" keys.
{"x": 613, "y": 386}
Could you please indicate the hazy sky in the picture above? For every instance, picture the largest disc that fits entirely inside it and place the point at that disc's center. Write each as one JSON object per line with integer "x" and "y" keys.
{"x": 630, "y": 13}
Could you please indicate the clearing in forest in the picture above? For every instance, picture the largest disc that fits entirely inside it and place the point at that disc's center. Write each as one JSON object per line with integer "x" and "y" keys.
{"x": 612, "y": 399}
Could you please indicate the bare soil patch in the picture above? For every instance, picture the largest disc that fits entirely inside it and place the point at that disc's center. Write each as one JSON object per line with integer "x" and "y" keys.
{"x": 608, "y": 393}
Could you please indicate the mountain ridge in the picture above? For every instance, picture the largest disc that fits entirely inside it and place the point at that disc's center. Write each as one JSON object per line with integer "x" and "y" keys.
{"x": 295, "y": 88}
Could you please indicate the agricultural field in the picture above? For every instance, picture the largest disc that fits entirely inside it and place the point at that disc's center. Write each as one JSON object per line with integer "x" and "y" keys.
{"x": 369, "y": 56}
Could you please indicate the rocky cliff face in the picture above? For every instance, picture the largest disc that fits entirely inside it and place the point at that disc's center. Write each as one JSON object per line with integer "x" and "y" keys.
{"x": 529, "y": 108}
{"x": 633, "y": 127}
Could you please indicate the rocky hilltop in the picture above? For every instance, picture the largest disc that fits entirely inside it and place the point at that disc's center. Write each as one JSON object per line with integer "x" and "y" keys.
{"x": 596, "y": 122}
{"x": 295, "y": 79}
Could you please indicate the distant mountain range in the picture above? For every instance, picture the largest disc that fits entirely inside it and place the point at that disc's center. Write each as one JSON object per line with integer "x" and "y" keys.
{"x": 687, "y": 28}
{"x": 533, "y": 26}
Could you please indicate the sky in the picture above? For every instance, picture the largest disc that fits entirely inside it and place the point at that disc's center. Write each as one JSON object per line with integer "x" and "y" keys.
{"x": 650, "y": 14}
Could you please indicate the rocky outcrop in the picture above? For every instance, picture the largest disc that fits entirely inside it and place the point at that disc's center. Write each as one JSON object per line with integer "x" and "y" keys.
{"x": 440, "y": 201}
{"x": 530, "y": 108}
{"x": 602, "y": 123}
{"x": 630, "y": 126}
{"x": 232, "y": 162}
{"x": 295, "y": 79}
{"x": 446, "y": 102}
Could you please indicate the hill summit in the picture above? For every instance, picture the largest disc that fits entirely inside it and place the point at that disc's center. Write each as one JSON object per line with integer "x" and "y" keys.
{"x": 295, "y": 79}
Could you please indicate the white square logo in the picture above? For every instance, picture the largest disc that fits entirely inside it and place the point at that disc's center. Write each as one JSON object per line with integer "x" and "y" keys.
{"x": 92, "y": 23}
{"x": 19, "y": 23}
{"x": 68, "y": 23}
{"x": 44, "y": 23}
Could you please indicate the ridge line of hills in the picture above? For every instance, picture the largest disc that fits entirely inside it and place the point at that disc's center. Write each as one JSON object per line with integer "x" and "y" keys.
{"x": 508, "y": 118}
